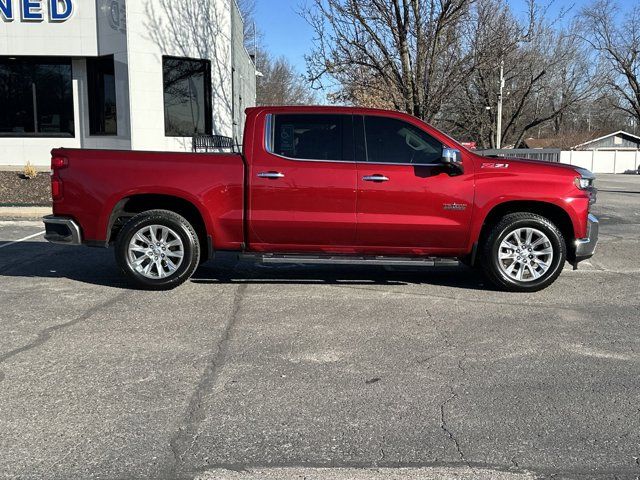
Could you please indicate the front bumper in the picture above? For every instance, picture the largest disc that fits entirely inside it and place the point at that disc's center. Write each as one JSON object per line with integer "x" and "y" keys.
{"x": 62, "y": 230}
{"x": 585, "y": 247}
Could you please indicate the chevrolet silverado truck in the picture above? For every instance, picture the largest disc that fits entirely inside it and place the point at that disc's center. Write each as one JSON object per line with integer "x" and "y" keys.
{"x": 326, "y": 185}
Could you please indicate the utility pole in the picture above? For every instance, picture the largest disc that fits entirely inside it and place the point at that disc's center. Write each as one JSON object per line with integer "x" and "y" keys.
{"x": 499, "y": 119}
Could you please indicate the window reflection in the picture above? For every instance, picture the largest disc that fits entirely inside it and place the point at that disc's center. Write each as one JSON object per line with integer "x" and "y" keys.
{"x": 390, "y": 140}
{"x": 311, "y": 137}
{"x": 103, "y": 114}
{"x": 36, "y": 95}
{"x": 187, "y": 97}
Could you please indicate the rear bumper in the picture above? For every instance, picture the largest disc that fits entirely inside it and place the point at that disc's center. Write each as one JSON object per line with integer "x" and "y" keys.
{"x": 585, "y": 247}
{"x": 62, "y": 230}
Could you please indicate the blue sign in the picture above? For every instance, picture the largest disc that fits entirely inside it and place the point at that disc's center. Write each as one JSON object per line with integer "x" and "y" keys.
{"x": 31, "y": 10}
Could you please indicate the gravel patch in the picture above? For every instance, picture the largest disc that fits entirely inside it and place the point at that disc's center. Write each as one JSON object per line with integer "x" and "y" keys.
{"x": 18, "y": 191}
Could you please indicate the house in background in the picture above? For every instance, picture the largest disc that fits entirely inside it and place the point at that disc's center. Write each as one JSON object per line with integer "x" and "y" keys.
{"x": 600, "y": 152}
{"x": 619, "y": 140}
{"x": 565, "y": 140}
{"x": 617, "y": 152}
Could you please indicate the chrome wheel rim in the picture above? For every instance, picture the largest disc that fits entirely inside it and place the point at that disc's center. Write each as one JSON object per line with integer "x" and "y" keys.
{"x": 525, "y": 254}
{"x": 155, "y": 252}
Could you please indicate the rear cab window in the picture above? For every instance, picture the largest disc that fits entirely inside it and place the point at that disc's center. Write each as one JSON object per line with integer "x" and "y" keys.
{"x": 317, "y": 137}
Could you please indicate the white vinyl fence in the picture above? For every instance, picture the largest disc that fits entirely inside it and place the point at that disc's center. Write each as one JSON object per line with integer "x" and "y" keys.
{"x": 602, "y": 161}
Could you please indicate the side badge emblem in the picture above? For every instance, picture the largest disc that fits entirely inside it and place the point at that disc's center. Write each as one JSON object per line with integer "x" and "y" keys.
{"x": 495, "y": 165}
{"x": 455, "y": 206}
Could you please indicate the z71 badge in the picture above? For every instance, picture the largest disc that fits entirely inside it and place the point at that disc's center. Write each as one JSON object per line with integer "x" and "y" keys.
{"x": 495, "y": 165}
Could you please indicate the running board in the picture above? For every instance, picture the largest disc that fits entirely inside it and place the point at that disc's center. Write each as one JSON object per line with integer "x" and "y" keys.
{"x": 270, "y": 259}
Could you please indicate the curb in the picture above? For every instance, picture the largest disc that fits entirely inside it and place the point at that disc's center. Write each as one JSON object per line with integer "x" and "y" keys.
{"x": 20, "y": 168}
{"x": 24, "y": 213}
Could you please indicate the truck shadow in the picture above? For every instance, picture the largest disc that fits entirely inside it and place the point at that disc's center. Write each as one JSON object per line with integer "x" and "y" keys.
{"x": 228, "y": 270}
{"x": 98, "y": 267}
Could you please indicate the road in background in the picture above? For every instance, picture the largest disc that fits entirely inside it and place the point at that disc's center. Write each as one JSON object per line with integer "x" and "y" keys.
{"x": 273, "y": 372}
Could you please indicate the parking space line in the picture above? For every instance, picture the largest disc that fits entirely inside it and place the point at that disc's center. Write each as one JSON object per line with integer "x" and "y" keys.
{"x": 22, "y": 239}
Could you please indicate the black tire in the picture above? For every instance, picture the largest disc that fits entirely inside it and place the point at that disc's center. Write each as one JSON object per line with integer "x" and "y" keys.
{"x": 491, "y": 246}
{"x": 184, "y": 231}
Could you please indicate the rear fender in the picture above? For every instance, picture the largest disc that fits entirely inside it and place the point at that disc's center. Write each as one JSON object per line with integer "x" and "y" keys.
{"x": 116, "y": 206}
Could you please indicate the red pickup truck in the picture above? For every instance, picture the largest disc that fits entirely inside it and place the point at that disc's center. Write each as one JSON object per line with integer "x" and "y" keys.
{"x": 326, "y": 185}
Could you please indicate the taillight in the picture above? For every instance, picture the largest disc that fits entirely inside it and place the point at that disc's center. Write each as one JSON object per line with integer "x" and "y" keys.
{"x": 58, "y": 162}
{"x": 56, "y": 188}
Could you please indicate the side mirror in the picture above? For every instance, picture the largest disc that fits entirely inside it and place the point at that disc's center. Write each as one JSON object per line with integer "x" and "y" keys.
{"x": 452, "y": 158}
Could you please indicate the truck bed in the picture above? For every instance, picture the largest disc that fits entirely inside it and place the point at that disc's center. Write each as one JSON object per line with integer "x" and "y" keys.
{"x": 95, "y": 182}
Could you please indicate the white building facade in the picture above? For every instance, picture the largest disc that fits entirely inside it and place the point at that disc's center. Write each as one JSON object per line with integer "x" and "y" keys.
{"x": 119, "y": 74}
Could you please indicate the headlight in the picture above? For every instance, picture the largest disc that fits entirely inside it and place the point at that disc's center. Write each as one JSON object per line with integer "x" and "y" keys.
{"x": 583, "y": 183}
{"x": 586, "y": 179}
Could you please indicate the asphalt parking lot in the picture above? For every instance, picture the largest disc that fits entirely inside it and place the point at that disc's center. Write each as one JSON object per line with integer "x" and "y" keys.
{"x": 320, "y": 372}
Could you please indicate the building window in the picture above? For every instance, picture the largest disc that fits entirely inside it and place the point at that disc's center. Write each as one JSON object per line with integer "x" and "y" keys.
{"x": 103, "y": 115}
{"x": 187, "y": 97}
{"x": 36, "y": 97}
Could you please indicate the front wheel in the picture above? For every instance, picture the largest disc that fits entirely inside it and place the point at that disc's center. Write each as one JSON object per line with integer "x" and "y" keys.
{"x": 158, "y": 250}
{"x": 524, "y": 252}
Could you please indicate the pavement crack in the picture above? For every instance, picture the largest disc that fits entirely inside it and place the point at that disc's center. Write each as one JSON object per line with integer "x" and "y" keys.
{"x": 382, "y": 453}
{"x": 187, "y": 434}
{"x": 448, "y": 344}
{"x": 469, "y": 299}
{"x": 48, "y": 332}
{"x": 460, "y": 360}
{"x": 424, "y": 360}
{"x": 444, "y": 337}
{"x": 444, "y": 427}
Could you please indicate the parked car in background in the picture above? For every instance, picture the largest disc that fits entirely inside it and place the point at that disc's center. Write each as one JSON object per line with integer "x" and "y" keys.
{"x": 326, "y": 185}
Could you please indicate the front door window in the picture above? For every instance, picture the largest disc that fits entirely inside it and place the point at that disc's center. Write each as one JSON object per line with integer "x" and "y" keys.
{"x": 390, "y": 140}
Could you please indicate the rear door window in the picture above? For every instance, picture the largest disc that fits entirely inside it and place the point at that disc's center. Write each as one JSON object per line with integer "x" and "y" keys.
{"x": 313, "y": 137}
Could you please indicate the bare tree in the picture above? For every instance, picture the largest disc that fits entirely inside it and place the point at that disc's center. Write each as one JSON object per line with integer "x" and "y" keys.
{"x": 618, "y": 45}
{"x": 546, "y": 75}
{"x": 248, "y": 9}
{"x": 253, "y": 36}
{"x": 403, "y": 53}
{"x": 439, "y": 60}
{"x": 280, "y": 84}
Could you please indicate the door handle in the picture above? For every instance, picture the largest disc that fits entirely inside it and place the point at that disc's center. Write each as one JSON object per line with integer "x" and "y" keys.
{"x": 271, "y": 175}
{"x": 375, "y": 178}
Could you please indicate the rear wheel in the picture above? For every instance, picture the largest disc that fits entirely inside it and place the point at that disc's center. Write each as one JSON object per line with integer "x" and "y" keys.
{"x": 158, "y": 250}
{"x": 524, "y": 252}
